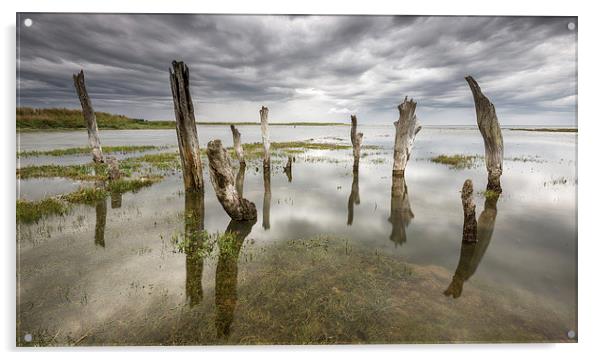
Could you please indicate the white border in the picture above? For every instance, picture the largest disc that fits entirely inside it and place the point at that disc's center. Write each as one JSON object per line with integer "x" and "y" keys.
{"x": 590, "y": 248}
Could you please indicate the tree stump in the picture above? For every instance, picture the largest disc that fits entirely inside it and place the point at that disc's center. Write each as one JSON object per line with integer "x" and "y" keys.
{"x": 469, "y": 232}
{"x": 240, "y": 155}
{"x": 401, "y": 211}
{"x": 354, "y": 197}
{"x": 89, "y": 117}
{"x": 288, "y": 169}
{"x": 265, "y": 136}
{"x": 492, "y": 135}
{"x": 267, "y": 197}
{"x": 406, "y": 129}
{"x": 188, "y": 143}
{"x": 222, "y": 178}
{"x": 226, "y": 276}
{"x": 356, "y": 141}
{"x": 113, "y": 168}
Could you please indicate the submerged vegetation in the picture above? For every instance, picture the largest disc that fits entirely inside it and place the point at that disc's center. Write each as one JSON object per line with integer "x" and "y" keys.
{"x": 456, "y": 161}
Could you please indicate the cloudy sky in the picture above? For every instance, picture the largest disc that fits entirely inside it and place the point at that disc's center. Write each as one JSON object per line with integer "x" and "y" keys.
{"x": 304, "y": 68}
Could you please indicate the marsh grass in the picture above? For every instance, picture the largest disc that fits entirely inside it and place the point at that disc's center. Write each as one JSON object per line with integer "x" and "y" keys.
{"x": 29, "y": 212}
{"x": 457, "y": 161}
{"x": 86, "y": 150}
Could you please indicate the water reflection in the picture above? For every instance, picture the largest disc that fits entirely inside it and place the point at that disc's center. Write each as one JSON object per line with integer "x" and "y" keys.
{"x": 354, "y": 197}
{"x": 288, "y": 168}
{"x": 101, "y": 221}
{"x": 401, "y": 212}
{"x": 267, "y": 196}
{"x": 194, "y": 239}
{"x": 226, "y": 274}
{"x": 471, "y": 254}
{"x": 116, "y": 199}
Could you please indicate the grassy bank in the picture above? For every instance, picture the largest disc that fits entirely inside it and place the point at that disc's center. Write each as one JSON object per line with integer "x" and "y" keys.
{"x": 31, "y": 119}
{"x": 86, "y": 150}
{"x": 562, "y": 130}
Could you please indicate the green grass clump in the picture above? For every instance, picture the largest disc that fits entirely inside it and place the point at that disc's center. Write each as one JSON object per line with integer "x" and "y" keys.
{"x": 130, "y": 185}
{"x": 86, "y": 195}
{"x": 160, "y": 161}
{"x": 86, "y": 150}
{"x": 89, "y": 171}
{"x": 32, "y": 211}
{"x": 456, "y": 161}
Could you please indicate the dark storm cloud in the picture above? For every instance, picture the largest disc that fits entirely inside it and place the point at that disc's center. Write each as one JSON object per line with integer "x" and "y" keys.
{"x": 311, "y": 68}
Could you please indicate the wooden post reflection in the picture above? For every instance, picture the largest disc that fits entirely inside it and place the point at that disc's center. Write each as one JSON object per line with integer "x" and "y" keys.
{"x": 116, "y": 198}
{"x": 226, "y": 274}
{"x": 194, "y": 225}
{"x": 267, "y": 197}
{"x": 354, "y": 197}
{"x": 401, "y": 211}
{"x": 101, "y": 221}
{"x": 472, "y": 253}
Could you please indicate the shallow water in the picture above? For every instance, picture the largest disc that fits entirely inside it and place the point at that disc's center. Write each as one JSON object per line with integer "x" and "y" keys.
{"x": 331, "y": 259}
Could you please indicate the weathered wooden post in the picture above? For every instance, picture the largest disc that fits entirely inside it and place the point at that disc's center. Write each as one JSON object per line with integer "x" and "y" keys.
{"x": 222, "y": 178}
{"x": 401, "y": 211}
{"x": 194, "y": 226}
{"x": 188, "y": 141}
{"x": 240, "y": 155}
{"x": 288, "y": 169}
{"x": 113, "y": 168}
{"x": 89, "y": 117}
{"x": 469, "y": 232}
{"x": 356, "y": 141}
{"x": 226, "y": 275}
{"x": 265, "y": 136}
{"x": 406, "y": 129}
{"x": 354, "y": 197}
{"x": 492, "y": 135}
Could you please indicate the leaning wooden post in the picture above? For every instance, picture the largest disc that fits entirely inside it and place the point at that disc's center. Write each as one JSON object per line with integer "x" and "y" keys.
{"x": 356, "y": 141}
{"x": 406, "y": 129}
{"x": 469, "y": 232}
{"x": 492, "y": 135}
{"x": 222, "y": 178}
{"x": 265, "y": 136}
{"x": 89, "y": 117}
{"x": 188, "y": 141}
{"x": 240, "y": 155}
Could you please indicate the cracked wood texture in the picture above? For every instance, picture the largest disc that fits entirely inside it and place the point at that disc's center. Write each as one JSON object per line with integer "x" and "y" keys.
{"x": 406, "y": 129}
{"x": 224, "y": 184}
{"x": 188, "y": 143}
{"x": 240, "y": 155}
{"x": 469, "y": 231}
{"x": 265, "y": 136}
{"x": 89, "y": 117}
{"x": 492, "y": 135}
{"x": 356, "y": 141}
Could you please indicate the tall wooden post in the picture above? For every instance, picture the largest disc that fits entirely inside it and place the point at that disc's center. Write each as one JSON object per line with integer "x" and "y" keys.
{"x": 265, "y": 136}
{"x": 406, "y": 129}
{"x": 188, "y": 141}
{"x": 89, "y": 117}
{"x": 240, "y": 155}
{"x": 492, "y": 135}
{"x": 356, "y": 141}
{"x": 222, "y": 178}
